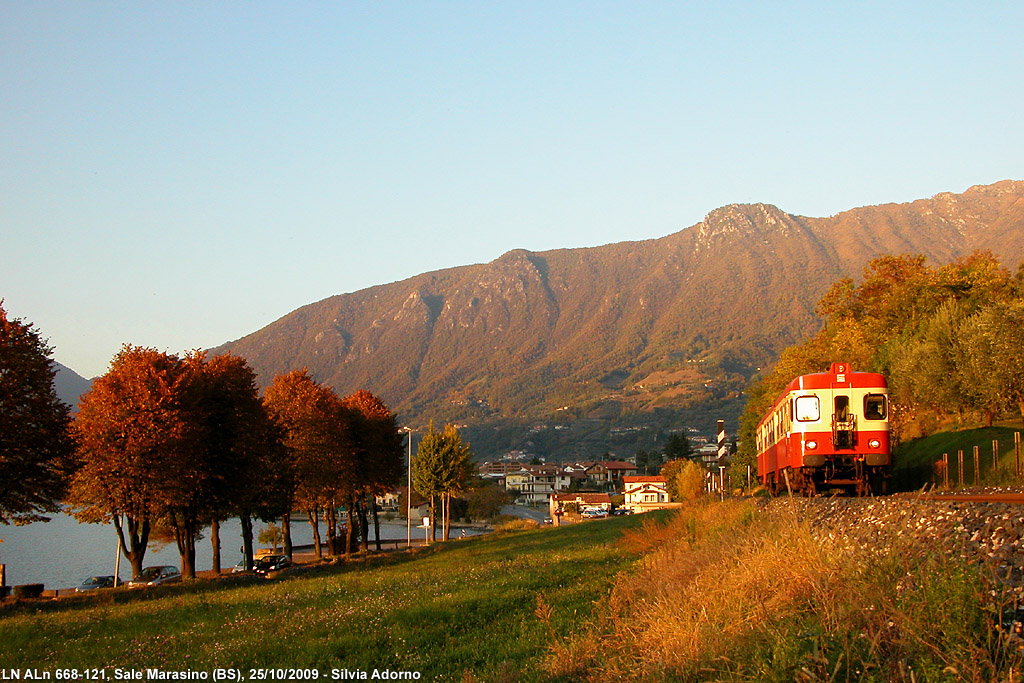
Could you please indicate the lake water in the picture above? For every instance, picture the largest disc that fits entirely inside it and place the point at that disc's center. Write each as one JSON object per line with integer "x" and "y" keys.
{"x": 62, "y": 552}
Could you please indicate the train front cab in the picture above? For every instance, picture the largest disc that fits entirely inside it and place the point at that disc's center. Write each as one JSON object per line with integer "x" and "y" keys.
{"x": 831, "y": 430}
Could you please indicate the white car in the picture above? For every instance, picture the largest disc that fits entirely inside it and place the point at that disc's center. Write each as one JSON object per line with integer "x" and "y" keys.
{"x": 156, "y": 576}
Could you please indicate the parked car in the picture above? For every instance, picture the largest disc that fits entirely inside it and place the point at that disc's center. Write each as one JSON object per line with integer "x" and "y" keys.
{"x": 594, "y": 513}
{"x": 239, "y": 568}
{"x": 95, "y": 582}
{"x": 156, "y": 576}
{"x": 271, "y": 563}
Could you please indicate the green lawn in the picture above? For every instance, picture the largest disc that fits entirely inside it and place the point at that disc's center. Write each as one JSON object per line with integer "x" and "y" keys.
{"x": 465, "y": 606}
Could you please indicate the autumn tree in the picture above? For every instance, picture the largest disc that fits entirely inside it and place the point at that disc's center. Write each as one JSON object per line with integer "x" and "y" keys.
{"x": 689, "y": 481}
{"x": 234, "y": 461}
{"x": 319, "y": 442}
{"x": 905, "y": 320}
{"x": 34, "y": 444}
{"x": 681, "y": 476}
{"x": 382, "y": 454}
{"x": 130, "y": 431}
{"x": 441, "y": 470}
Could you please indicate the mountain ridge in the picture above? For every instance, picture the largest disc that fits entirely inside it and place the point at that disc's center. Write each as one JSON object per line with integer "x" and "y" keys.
{"x": 530, "y": 333}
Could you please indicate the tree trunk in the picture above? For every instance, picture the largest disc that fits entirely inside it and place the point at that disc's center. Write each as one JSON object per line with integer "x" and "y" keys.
{"x": 314, "y": 523}
{"x": 350, "y": 523}
{"x": 215, "y": 541}
{"x": 138, "y": 539}
{"x": 433, "y": 518}
{"x": 246, "y": 519}
{"x": 364, "y": 527}
{"x": 185, "y": 531}
{"x": 286, "y": 526}
{"x": 331, "y": 520}
{"x": 376, "y": 520}
{"x": 447, "y": 515}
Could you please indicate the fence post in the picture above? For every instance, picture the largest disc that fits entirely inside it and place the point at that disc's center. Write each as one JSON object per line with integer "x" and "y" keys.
{"x": 945, "y": 470}
{"x": 1016, "y": 450}
{"x": 960, "y": 467}
{"x": 977, "y": 466}
{"x": 995, "y": 456}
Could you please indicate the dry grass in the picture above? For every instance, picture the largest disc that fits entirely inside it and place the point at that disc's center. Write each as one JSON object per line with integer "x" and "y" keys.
{"x": 726, "y": 592}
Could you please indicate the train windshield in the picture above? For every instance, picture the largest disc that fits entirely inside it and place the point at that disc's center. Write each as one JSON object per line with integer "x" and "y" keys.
{"x": 807, "y": 409}
{"x": 874, "y": 407}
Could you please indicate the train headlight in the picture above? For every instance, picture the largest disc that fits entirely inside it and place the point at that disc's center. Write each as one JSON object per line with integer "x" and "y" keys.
{"x": 811, "y": 445}
{"x": 874, "y": 443}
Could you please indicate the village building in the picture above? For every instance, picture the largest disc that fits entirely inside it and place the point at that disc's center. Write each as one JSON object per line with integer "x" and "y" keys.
{"x": 610, "y": 474}
{"x": 534, "y": 484}
{"x": 645, "y": 493}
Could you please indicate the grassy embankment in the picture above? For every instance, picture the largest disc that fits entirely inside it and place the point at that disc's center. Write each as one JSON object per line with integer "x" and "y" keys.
{"x": 463, "y": 606}
{"x": 724, "y": 591}
{"x": 734, "y": 592}
{"x": 916, "y": 461}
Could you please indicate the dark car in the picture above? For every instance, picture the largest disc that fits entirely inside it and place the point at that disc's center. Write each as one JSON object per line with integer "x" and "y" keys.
{"x": 94, "y": 582}
{"x": 271, "y": 563}
{"x": 156, "y": 576}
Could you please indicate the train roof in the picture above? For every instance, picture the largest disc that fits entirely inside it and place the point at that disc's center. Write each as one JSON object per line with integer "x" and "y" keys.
{"x": 829, "y": 380}
{"x": 839, "y": 376}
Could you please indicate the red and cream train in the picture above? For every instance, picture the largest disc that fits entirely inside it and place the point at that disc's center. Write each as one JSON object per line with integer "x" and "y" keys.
{"x": 825, "y": 431}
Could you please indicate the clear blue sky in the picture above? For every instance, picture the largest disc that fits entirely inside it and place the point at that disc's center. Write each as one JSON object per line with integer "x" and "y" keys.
{"x": 179, "y": 174}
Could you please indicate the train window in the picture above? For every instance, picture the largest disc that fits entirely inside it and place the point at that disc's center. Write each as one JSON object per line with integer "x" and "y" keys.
{"x": 874, "y": 407}
{"x": 807, "y": 409}
{"x": 842, "y": 408}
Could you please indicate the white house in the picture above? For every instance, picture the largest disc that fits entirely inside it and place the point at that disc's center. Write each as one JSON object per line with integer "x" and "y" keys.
{"x": 645, "y": 493}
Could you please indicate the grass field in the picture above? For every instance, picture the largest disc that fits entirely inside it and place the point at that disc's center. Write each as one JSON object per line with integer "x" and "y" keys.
{"x": 740, "y": 590}
{"x": 457, "y": 611}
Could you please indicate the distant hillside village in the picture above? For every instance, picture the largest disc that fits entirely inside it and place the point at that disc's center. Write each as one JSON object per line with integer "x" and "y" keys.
{"x": 587, "y": 488}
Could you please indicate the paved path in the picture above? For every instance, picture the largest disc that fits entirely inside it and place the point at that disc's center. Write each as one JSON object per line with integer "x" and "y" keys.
{"x": 536, "y": 514}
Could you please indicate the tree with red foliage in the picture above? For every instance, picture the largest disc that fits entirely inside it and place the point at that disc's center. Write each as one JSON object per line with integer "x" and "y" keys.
{"x": 381, "y": 453}
{"x": 34, "y": 444}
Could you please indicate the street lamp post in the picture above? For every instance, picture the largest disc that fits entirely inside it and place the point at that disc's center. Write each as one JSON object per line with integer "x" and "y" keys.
{"x": 408, "y": 492}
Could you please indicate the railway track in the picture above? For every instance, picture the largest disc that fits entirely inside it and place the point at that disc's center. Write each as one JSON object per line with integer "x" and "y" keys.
{"x": 1009, "y": 498}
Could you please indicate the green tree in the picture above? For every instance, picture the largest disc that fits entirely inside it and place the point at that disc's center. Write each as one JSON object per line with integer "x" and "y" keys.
{"x": 995, "y": 368}
{"x": 485, "y": 499}
{"x": 271, "y": 535}
{"x": 649, "y": 462}
{"x": 677, "y": 446}
{"x": 34, "y": 442}
{"x": 926, "y": 365}
{"x": 441, "y": 469}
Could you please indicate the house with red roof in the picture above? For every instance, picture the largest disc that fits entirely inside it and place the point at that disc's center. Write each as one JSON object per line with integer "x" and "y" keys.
{"x": 644, "y": 493}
